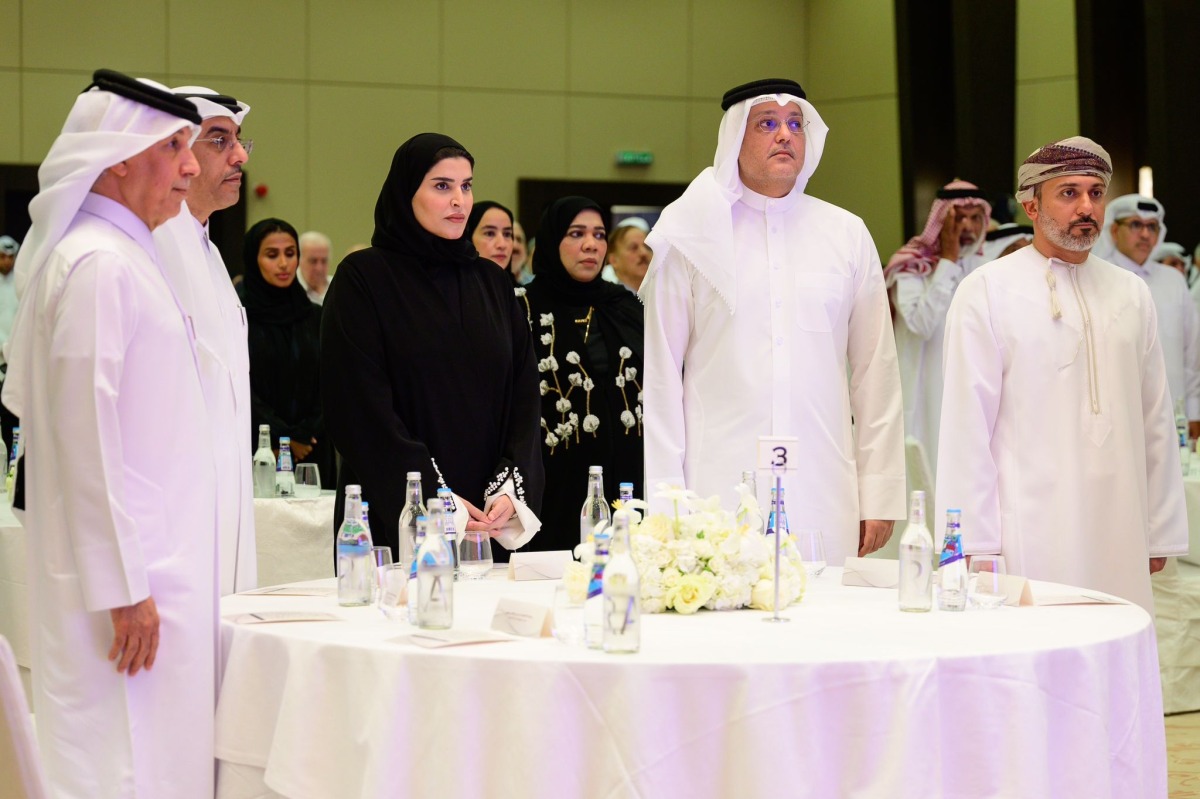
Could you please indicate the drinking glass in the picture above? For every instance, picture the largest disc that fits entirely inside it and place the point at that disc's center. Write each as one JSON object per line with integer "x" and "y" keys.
{"x": 811, "y": 546}
{"x": 567, "y": 619}
{"x": 474, "y": 554}
{"x": 308, "y": 480}
{"x": 393, "y": 591}
{"x": 987, "y": 581}
{"x": 381, "y": 559}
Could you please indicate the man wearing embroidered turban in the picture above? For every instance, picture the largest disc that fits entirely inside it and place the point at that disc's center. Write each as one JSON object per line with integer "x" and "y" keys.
{"x": 921, "y": 277}
{"x": 760, "y": 300}
{"x": 1057, "y": 431}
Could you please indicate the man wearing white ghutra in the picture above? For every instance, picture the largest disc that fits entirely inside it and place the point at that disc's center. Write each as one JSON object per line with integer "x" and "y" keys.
{"x": 117, "y": 485}
{"x": 760, "y": 300}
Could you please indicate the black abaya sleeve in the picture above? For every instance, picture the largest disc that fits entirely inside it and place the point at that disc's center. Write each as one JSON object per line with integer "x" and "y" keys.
{"x": 360, "y": 418}
{"x": 522, "y": 457}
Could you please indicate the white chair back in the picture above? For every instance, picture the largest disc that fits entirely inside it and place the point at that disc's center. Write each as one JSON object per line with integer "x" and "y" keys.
{"x": 20, "y": 766}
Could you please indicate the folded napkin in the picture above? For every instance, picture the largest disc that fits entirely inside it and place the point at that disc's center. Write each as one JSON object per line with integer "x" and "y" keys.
{"x": 871, "y": 572}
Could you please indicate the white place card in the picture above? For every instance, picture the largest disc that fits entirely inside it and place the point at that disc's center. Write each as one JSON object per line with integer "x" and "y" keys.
{"x": 538, "y": 565}
{"x": 871, "y": 572}
{"x": 1081, "y": 598}
{"x": 276, "y": 616}
{"x": 527, "y": 619}
{"x": 1016, "y": 591}
{"x": 437, "y": 639}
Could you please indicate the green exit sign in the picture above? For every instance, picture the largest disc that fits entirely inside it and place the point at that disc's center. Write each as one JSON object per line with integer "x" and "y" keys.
{"x": 634, "y": 158}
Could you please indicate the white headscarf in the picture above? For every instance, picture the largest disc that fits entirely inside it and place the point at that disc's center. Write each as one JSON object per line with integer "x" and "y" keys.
{"x": 102, "y": 129}
{"x": 700, "y": 223}
{"x": 1124, "y": 207}
{"x": 209, "y": 108}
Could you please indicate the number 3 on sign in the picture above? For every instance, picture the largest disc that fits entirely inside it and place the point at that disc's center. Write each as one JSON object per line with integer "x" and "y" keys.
{"x": 776, "y": 454}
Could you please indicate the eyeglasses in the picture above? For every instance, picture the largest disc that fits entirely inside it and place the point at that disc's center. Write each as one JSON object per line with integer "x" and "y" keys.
{"x": 223, "y": 143}
{"x": 1139, "y": 227}
{"x": 771, "y": 125}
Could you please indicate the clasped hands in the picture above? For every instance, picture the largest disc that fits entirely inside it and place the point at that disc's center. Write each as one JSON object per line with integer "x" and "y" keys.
{"x": 494, "y": 520}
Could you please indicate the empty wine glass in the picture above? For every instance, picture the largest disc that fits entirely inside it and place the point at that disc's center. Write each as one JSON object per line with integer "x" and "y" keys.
{"x": 308, "y": 480}
{"x": 393, "y": 591}
{"x": 811, "y": 546}
{"x": 567, "y": 619}
{"x": 474, "y": 554}
{"x": 987, "y": 581}
{"x": 381, "y": 558}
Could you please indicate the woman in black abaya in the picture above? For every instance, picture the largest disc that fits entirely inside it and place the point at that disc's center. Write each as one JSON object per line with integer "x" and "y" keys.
{"x": 427, "y": 359}
{"x": 284, "y": 342}
{"x": 588, "y": 338}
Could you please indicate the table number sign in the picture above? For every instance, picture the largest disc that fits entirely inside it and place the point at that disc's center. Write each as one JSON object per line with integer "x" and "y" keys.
{"x": 776, "y": 455}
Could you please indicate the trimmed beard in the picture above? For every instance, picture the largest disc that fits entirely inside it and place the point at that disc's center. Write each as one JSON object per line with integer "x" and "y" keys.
{"x": 1060, "y": 236}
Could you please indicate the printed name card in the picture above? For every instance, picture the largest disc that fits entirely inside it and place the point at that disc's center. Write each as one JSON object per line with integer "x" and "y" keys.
{"x": 527, "y": 619}
{"x": 1016, "y": 591}
{"x": 277, "y": 616}
{"x": 538, "y": 565}
{"x": 871, "y": 572}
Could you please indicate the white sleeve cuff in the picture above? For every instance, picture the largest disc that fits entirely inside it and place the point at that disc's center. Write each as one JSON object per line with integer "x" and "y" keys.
{"x": 521, "y": 526}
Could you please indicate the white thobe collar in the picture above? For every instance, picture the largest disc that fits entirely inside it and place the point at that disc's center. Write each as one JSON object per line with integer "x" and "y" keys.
{"x": 1142, "y": 270}
{"x": 769, "y": 205}
{"x": 123, "y": 218}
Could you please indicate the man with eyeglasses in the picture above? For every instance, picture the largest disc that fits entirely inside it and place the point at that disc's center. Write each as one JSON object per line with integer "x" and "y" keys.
{"x": 1133, "y": 226}
{"x": 195, "y": 270}
{"x": 761, "y": 301}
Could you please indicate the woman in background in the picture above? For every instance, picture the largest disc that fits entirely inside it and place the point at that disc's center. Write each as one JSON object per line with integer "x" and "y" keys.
{"x": 588, "y": 340}
{"x": 490, "y": 229}
{"x": 284, "y": 340}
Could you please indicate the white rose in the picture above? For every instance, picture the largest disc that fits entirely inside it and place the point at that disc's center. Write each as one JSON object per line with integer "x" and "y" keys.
{"x": 620, "y": 381}
{"x": 588, "y": 385}
{"x": 562, "y": 405}
{"x": 547, "y": 338}
{"x": 590, "y": 423}
{"x": 572, "y": 357}
{"x": 551, "y": 439}
{"x": 575, "y": 379}
{"x": 630, "y": 373}
{"x": 547, "y": 319}
{"x": 625, "y": 352}
{"x": 543, "y": 364}
{"x": 627, "y": 419}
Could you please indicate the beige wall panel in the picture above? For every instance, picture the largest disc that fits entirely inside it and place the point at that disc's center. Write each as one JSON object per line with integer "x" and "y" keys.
{"x": 10, "y": 98}
{"x": 1046, "y": 38}
{"x": 599, "y": 127}
{"x": 278, "y": 113}
{"x": 129, "y": 35}
{"x": 629, "y": 47}
{"x": 505, "y": 46}
{"x": 860, "y": 168}
{"x": 46, "y": 99}
{"x": 354, "y": 132}
{"x": 736, "y": 42}
{"x": 257, "y": 39}
{"x": 10, "y": 33}
{"x": 1046, "y": 110}
{"x": 851, "y": 49}
{"x": 704, "y": 120}
{"x": 511, "y": 136}
{"x": 379, "y": 41}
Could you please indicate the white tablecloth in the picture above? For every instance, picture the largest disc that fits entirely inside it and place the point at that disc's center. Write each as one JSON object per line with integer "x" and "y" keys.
{"x": 1191, "y": 490}
{"x": 294, "y": 540}
{"x": 851, "y": 698}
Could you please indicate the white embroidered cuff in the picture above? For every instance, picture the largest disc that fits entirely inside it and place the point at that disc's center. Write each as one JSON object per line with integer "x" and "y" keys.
{"x": 522, "y": 525}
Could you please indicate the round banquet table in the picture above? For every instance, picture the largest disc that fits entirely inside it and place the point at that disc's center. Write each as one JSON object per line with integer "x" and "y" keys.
{"x": 851, "y": 698}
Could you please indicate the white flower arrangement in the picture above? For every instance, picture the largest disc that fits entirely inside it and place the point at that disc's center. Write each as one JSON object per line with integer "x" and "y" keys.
{"x": 702, "y": 556}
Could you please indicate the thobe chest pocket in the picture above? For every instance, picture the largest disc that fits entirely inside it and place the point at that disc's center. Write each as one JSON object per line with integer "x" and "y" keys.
{"x": 819, "y": 301}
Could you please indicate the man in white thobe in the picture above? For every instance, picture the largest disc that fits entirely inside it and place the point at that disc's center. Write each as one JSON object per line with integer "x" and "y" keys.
{"x": 1133, "y": 226}
{"x": 921, "y": 277}
{"x": 117, "y": 482}
{"x": 8, "y": 312}
{"x": 313, "y": 272}
{"x": 1058, "y": 435}
{"x": 196, "y": 272}
{"x": 760, "y": 300}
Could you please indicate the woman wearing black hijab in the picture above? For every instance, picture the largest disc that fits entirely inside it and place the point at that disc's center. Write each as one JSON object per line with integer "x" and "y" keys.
{"x": 428, "y": 363}
{"x": 588, "y": 339}
{"x": 490, "y": 231}
{"x": 284, "y": 340}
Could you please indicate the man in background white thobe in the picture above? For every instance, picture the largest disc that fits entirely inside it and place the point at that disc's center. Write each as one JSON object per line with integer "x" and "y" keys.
{"x": 193, "y": 266}
{"x": 1058, "y": 435}
{"x": 921, "y": 277}
{"x": 117, "y": 483}
{"x": 760, "y": 300}
{"x": 1133, "y": 226}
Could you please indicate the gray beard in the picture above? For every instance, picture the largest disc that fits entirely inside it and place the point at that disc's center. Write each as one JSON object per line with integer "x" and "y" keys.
{"x": 1062, "y": 237}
